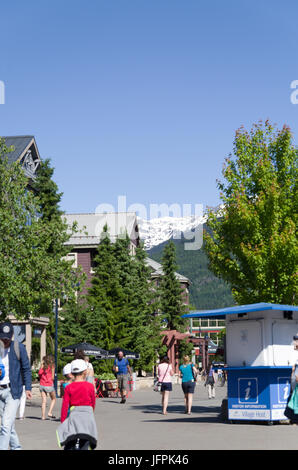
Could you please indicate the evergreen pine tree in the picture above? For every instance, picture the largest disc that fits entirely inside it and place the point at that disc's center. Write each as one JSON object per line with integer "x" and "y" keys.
{"x": 48, "y": 199}
{"x": 144, "y": 324}
{"x": 105, "y": 297}
{"x": 48, "y": 192}
{"x": 71, "y": 328}
{"x": 121, "y": 303}
{"x": 171, "y": 299}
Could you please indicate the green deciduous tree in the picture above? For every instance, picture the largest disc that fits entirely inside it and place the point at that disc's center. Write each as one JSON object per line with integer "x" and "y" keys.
{"x": 31, "y": 274}
{"x": 253, "y": 245}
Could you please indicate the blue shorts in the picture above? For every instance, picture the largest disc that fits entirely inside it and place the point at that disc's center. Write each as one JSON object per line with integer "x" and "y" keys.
{"x": 188, "y": 387}
{"x": 166, "y": 387}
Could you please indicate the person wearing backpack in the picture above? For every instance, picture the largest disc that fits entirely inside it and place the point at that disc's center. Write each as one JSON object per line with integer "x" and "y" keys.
{"x": 17, "y": 373}
{"x": 121, "y": 369}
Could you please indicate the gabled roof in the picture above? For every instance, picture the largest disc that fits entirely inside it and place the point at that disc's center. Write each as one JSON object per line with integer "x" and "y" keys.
{"x": 222, "y": 312}
{"x": 91, "y": 226}
{"x": 25, "y": 151}
{"x": 158, "y": 271}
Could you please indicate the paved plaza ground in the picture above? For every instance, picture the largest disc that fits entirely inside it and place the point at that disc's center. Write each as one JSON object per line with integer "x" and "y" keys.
{"x": 139, "y": 425}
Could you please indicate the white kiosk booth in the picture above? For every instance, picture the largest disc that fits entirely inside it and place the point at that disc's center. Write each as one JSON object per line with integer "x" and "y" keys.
{"x": 259, "y": 356}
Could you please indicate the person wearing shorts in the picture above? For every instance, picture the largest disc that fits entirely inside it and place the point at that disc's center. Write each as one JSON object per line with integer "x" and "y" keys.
{"x": 164, "y": 374}
{"x": 187, "y": 371}
{"x": 46, "y": 380}
{"x": 122, "y": 369}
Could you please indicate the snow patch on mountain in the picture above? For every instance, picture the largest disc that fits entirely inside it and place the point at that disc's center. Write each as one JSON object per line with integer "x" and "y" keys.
{"x": 155, "y": 231}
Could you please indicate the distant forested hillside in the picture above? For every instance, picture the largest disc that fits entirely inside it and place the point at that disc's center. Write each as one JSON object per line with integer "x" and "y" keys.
{"x": 206, "y": 290}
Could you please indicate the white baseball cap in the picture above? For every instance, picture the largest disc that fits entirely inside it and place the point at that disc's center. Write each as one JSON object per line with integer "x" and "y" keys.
{"x": 78, "y": 365}
{"x": 67, "y": 369}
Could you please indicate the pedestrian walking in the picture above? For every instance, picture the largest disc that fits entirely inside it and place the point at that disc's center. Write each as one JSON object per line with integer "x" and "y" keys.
{"x": 210, "y": 382}
{"x": 15, "y": 373}
{"x": 90, "y": 370}
{"x": 46, "y": 381}
{"x": 188, "y": 373}
{"x": 122, "y": 370}
{"x": 80, "y": 354}
{"x": 164, "y": 374}
{"x": 68, "y": 377}
{"x": 291, "y": 411}
{"x": 78, "y": 428}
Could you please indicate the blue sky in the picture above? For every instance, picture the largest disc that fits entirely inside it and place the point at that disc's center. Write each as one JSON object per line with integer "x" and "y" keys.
{"x": 143, "y": 98}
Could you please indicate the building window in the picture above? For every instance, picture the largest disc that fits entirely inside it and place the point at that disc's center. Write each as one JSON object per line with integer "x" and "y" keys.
{"x": 72, "y": 257}
{"x": 93, "y": 263}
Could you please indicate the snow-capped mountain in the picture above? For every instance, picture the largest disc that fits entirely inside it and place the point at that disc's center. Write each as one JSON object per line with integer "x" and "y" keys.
{"x": 155, "y": 231}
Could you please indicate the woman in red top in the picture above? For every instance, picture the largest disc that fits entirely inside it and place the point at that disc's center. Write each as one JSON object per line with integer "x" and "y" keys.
{"x": 46, "y": 380}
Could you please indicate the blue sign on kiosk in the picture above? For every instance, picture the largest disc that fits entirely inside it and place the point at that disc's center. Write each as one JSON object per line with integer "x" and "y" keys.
{"x": 260, "y": 356}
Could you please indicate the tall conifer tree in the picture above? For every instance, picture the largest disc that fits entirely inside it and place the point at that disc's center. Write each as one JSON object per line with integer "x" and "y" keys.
{"x": 48, "y": 199}
{"x": 121, "y": 300}
{"x": 171, "y": 295}
{"x": 105, "y": 296}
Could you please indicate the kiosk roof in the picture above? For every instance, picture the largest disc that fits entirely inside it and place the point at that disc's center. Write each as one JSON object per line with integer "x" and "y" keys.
{"x": 222, "y": 312}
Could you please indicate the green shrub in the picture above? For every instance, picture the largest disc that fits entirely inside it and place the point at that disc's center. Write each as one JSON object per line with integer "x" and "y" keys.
{"x": 107, "y": 376}
{"x": 34, "y": 375}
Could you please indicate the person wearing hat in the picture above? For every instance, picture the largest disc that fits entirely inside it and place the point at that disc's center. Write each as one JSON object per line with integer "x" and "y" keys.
{"x": 17, "y": 373}
{"x": 79, "y": 428}
{"x": 68, "y": 376}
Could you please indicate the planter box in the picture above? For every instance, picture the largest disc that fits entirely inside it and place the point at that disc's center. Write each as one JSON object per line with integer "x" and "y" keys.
{"x": 109, "y": 384}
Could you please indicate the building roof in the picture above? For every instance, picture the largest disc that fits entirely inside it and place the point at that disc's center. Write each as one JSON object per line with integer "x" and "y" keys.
{"x": 222, "y": 312}
{"x": 158, "y": 271}
{"x": 25, "y": 150}
{"x": 91, "y": 226}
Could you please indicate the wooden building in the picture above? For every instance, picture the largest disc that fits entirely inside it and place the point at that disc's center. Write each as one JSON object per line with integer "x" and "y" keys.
{"x": 84, "y": 243}
{"x": 25, "y": 152}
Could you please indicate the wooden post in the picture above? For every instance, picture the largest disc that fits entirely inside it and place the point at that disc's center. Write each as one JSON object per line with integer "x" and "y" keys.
{"x": 28, "y": 340}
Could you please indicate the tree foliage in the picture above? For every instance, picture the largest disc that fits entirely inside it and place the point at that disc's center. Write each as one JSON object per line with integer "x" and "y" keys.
{"x": 49, "y": 199}
{"x": 32, "y": 274}
{"x": 253, "y": 245}
{"x": 121, "y": 310}
{"x": 170, "y": 292}
{"x": 206, "y": 291}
